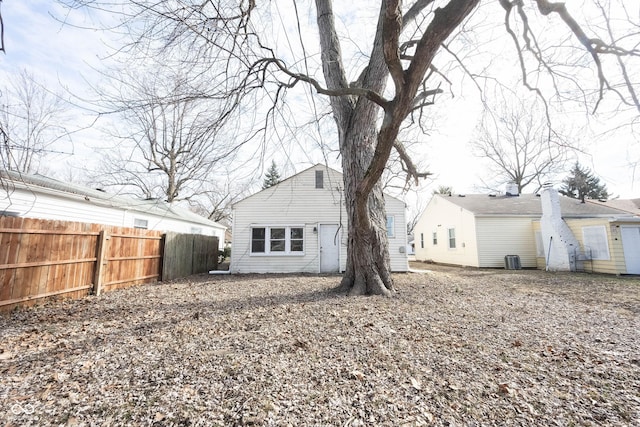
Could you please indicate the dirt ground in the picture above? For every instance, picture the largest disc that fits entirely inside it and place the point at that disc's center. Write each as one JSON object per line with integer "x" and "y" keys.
{"x": 455, "y": 347}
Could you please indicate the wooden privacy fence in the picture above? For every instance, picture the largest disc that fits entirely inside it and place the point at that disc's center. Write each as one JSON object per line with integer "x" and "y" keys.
{"x": 186, "y": 254}
{"x": 48, "y": 259}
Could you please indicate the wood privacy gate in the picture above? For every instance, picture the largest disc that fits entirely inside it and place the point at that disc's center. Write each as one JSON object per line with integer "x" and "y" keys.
{"x": 48, "y": 259}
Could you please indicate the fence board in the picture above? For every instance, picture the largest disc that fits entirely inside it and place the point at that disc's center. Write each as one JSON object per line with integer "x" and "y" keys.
{"x": 186, "y": 254}
{"x": 41, "y": 259}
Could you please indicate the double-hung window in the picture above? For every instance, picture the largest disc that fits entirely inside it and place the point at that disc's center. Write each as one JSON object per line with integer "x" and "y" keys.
{"x": 391, "y": 226}
{"x": 452, "y": 238}
{"x": 277, "y": 240}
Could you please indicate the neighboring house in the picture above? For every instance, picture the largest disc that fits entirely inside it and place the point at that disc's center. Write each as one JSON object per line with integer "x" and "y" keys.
{"x": 37, "y": 196}
{"x": 480, "y": 230}
{"x": 300, "y": 225}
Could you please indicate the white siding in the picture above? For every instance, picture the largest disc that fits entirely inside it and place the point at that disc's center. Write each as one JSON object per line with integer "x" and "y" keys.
{"x": 439, "y": 216}
{"x": 397, "y": 243}
{"x": 500, "y": 236}
{"x": 31, "y": 203}
{"x": 296, "y": 201}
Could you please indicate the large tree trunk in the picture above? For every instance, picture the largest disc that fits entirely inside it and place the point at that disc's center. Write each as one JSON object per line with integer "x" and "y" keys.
{"x": 368, "y": 266}
{"x": 368, "y": 125}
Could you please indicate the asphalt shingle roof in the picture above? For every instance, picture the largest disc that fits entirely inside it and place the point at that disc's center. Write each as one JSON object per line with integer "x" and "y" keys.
{"x": 102, "y": 198}
{"x": 529, "y": 205}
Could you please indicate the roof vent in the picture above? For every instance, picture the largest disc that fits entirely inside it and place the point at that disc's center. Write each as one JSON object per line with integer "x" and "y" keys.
{"x": 512, "y": 189}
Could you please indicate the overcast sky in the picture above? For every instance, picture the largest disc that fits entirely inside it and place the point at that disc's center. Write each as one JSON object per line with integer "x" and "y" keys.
{"x": 65, "y": 58}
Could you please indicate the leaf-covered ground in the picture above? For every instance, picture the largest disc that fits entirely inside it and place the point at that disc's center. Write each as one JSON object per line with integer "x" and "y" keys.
{"x": 454, "y": 347}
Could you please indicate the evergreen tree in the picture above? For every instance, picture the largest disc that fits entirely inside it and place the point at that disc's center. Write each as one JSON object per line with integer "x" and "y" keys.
{"x": 582, "y": 183}
{"x": 444, "y": 189}
{"x": 272, "y": 177}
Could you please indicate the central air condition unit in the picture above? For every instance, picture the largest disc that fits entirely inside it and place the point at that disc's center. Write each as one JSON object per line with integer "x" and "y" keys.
{"x": 512, "y": 262}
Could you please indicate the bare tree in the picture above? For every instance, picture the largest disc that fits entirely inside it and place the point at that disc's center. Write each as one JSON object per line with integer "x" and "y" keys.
{"x": 2, "y": 48}
{"x": 31, "y": 123}
{"x": 519, "y": 145}
{"x": 374, "y": 94}
{"x": 169, "y": 143}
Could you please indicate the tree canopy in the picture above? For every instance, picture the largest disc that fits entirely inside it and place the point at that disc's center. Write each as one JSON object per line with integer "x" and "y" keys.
{"x": 272, "y": 177}
{"x": 582, "y": 183}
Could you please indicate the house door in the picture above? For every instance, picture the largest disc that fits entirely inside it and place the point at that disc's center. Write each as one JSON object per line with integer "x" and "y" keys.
{"x": 631, "y": 247}
{"x": 329, "y": 248}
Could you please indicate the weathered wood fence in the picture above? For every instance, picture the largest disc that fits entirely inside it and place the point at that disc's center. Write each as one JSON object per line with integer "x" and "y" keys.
{"x": 186, "y": 254}
{"x": 42, "y": 259}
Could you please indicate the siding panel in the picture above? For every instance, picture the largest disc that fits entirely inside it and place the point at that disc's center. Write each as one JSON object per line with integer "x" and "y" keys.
{"x": 500, "y": 236}
{"x": 296, "y": 201}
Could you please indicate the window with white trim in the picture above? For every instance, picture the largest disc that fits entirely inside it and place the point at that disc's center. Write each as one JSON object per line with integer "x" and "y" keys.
{"x": 434, "y": 238}
{"x": 390, "y": 226}
{"x": 277, "y": 240}
{"x": 422, "y": 240}
{"x": 140, "y": 223}
{"x": 539, "y": 245}
{"x": 319, "y": 179}
{"x": 452, "y": 237}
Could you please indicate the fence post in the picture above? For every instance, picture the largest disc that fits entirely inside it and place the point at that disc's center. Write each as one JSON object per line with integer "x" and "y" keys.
{"x": 100, "y": 261}
{"x": 163, "y": 243}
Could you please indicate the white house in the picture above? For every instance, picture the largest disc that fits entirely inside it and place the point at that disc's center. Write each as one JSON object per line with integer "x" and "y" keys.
{"x": 479, "y": 230}
{"x": 37, "y": 196}
{"x": 300, "y": 225}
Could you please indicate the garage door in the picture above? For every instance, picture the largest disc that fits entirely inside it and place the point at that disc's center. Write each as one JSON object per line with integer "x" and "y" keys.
{"x": 631, "y": 245}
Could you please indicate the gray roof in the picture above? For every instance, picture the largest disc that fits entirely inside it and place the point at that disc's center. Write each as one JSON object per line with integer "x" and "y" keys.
{"x": 155, "y": 207}
{"x": 529, "y": 205}
{"x": 627, "y": 205}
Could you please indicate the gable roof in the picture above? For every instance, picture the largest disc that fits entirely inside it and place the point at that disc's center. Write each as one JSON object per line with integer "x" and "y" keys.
{"x": 47, "y": 185}
{"x": 321, "y": 165}
{"x": 529, "y": 205}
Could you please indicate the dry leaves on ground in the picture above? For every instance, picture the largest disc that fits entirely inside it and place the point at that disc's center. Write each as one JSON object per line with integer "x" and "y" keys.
{"x": 454, "y": 347}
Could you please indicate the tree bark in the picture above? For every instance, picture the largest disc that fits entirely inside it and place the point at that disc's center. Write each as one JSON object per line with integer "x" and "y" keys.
{"x": 368, "y": 127}
{"x": 368, "y": 268}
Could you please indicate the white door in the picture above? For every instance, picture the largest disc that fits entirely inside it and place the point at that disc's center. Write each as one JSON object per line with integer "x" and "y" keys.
{"x": 631, "y": 247}
{"x": 329, "y": 248}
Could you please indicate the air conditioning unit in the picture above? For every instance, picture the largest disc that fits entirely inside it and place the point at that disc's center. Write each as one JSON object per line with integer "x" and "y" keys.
{"x": 512, "y": 262}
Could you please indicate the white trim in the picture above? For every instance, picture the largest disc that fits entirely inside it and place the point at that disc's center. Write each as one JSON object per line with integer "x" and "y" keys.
{"x": 455, "y": 239}
{"x": 267, "y": 239}
{"x": 393, "y": 226}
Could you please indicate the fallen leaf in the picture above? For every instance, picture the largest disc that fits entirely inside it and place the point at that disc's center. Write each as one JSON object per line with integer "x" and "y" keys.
{"x": 415, "y": 383}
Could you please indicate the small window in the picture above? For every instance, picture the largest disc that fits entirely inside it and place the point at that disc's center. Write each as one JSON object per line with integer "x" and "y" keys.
{"x": 422, "y": 240}
{"x": 319, "y": 179}
{"x": 390, "y": 226}
{"x": 140, "y": 223}
{"x": 257, "y": 240}
{"x": 452, "y": 238}
{"x": 434, "y": 238}
{"x": 539, "y": 245}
